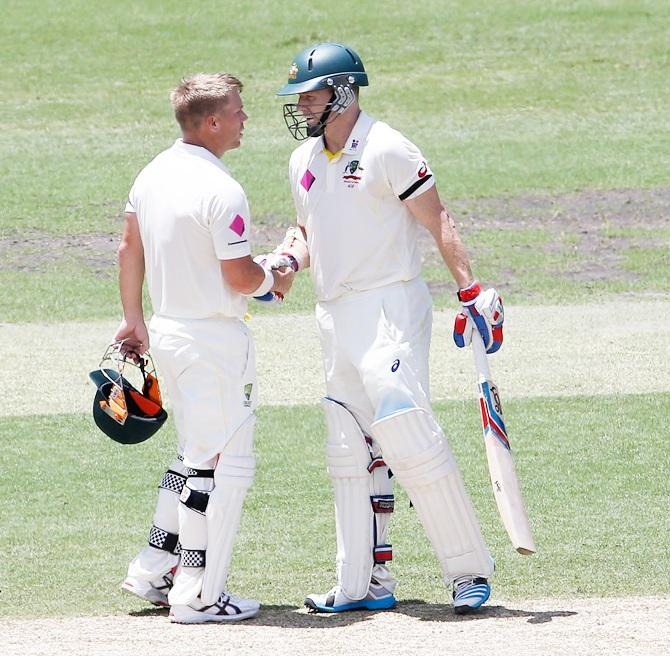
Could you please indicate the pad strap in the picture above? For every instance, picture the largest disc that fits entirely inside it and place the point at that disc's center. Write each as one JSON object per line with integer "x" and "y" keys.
{"x": 383, "y": 503}
{"x": 160, "y": 539}
{"x": 192, "y": 558}
{"x": 199, "y": 473}
{"x": 172, "y": 481}
{"x": 194, "y": 499}
{"x": 383, "y": 554}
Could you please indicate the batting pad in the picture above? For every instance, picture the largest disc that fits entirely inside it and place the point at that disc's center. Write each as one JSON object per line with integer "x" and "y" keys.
{"x": 161, "y": 554}
{"x": 166, "y": 514}
{"x": 417, "y": 451}
{"x": 193, "y": 536}
{"x": 348, "y": 457}
{"x": 233, "y": 476}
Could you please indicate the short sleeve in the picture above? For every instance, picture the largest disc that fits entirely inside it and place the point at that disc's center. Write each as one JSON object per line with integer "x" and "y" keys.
{"x": 230, "y": 223}
{"x": 130, "y": 203}
{"x": 407, "y": 170}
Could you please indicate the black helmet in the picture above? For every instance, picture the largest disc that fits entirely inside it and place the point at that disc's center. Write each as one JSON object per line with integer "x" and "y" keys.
{"x": 322, "y": 66}
{"x": 121, "y": 411}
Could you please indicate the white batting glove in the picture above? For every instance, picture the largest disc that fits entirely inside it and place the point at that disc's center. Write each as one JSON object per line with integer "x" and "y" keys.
{"x": 483, "y": 309}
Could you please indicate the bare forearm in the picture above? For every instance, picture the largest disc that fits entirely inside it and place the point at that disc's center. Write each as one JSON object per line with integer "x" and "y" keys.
{"x": 430, "y": 213}
{"x": 131, "y": 277}
{"x": 453, "y": 251}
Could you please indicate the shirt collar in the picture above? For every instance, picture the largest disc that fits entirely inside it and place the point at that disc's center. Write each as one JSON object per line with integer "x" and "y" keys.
{"x": 199, "y": 151}
{"x": 357, "y": 137}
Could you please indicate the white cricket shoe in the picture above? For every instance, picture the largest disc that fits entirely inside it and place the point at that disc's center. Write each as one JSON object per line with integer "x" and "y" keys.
{"x": 227, "y": 608}
{"x": 335, "y": 601}
{"x": 470, "y": 592}
{"x": 155, "y": 591}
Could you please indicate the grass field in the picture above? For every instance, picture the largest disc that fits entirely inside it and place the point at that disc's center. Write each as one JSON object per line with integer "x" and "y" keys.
{"x": 81, "y": 507}
{"x": 546, "y": 124}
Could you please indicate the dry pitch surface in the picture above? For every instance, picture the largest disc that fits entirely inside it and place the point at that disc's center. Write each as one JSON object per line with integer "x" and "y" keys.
{"x": 550, "y": 351}
{"x": 613, "y": 627}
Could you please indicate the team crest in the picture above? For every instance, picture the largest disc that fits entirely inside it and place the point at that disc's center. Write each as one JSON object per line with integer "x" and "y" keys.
{"x": 349, "y": 177}
{"x": 293, "y": 71}
{"x": 247, "y": 395}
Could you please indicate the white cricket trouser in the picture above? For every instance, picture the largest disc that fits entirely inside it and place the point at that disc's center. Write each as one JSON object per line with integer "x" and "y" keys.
{"x": 209, "y": 370}
{"x": 208, "y": 366}
{"x": 375, "y": 349}
{"x": 375, "y": 352}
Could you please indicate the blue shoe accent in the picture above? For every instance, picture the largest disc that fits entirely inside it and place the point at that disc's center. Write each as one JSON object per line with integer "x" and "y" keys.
{"x": 336, "y": 601}
{"x": 470, "y": 593}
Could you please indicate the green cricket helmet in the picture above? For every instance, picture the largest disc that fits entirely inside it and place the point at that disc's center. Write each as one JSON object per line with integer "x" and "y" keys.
{"x": 312, "y": 67}
{"x": 120, "y": 410}
{"x": 323, "y": 66}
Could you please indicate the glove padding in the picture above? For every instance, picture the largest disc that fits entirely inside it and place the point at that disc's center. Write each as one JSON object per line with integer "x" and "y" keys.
{"x": 483, "y": 310}
{"x": 279, "y": 260}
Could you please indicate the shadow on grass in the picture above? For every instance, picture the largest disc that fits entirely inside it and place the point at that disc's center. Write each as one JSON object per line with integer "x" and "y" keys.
{"x": 298, "y": 618}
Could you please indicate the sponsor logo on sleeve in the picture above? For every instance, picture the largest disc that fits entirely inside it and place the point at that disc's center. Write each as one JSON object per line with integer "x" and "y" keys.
{"x": 237, "y": 225}
{"x": 307, "y": 180}
{"x": 423, "y": 170}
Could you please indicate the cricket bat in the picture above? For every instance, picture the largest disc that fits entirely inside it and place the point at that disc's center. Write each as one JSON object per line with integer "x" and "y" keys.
{"x": 506, "y": 488}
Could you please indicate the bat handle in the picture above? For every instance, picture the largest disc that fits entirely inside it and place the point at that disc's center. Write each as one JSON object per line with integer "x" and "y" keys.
{"x": 481, "y": 359}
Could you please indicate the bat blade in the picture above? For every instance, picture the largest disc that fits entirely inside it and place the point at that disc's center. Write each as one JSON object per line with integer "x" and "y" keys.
{"x": 506, "y": 487}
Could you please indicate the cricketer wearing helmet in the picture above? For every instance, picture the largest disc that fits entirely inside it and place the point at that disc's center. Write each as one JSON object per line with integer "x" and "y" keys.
{"x": 187, "y": 227}
{"x": 362, "y": 191}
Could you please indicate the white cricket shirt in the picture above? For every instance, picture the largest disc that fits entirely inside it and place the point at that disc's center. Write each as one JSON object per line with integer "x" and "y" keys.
{"x": 359, "y": 232}
{"x": 191, "y": 213}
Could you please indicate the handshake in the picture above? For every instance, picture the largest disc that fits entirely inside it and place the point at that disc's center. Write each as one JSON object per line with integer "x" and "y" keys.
{"x": 285, "y": 267}
{"x": 284, "y": 262}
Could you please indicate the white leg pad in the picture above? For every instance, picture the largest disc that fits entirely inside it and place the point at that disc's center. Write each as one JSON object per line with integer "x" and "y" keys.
{"x": 415, "y": 448}
{"x": 233, "y": 476}
{"x": 161, "y": 554}
{"x": 193, "y": 537}
{"x": 348, "y": 457}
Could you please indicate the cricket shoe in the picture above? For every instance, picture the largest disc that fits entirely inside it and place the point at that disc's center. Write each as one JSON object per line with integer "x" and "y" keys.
{"x": 335, "y": 601}
{"x": 155, "y": 591}
{"x": 470, "y": 592}
{"x": 227, "y": 608}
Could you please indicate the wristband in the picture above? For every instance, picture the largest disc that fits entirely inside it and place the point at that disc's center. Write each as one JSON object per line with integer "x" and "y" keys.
{"x": 265, "y": 286}
{"x": 469, "y": 293}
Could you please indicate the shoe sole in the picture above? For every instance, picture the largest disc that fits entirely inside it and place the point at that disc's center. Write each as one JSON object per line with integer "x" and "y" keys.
{"x": 187, "y": 615}
{"x": 154, "y": 597}
{"x": 363, "y": 604}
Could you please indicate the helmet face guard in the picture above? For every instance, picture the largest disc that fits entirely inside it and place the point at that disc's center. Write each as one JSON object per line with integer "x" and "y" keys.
{"x": 324, "y": 66}
{"x": 121, "y": 411}
{"x": 342, "y": 96}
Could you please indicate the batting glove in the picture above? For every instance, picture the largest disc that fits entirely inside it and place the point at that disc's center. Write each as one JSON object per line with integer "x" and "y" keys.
{"x": 483, "y": 309}
{"x": 277, "y": 261}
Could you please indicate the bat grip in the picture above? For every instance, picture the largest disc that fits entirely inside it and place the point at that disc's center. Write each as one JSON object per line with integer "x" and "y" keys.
{"x": 481, "y": 359}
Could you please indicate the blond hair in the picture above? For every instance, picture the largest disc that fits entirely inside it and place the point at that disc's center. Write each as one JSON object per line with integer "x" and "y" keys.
{"x": 200, "y": 95}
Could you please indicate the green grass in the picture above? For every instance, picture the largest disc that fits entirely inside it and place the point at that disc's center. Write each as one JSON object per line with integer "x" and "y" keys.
{"x": 78, "y": 507}
{"x": 505, "y": 98}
